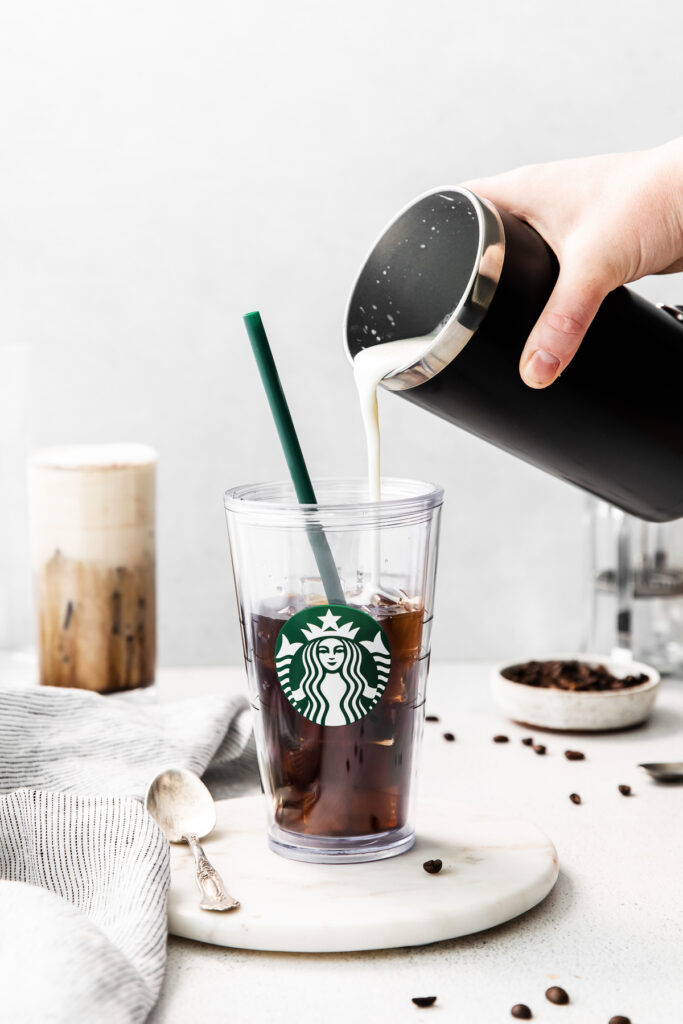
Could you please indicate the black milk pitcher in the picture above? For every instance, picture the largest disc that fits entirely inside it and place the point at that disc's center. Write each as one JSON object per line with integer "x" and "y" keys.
{"x": 476, "y": 278}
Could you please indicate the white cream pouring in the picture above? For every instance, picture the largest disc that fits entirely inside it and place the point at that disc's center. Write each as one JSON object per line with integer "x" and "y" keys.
{"x": 370, "y": 367}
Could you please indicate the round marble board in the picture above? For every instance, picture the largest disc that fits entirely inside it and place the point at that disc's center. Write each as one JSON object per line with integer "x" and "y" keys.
{"x": 493, "y": 870}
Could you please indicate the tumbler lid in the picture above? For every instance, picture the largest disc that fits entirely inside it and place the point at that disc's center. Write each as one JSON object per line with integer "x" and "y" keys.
{"x": 433, "y": 271}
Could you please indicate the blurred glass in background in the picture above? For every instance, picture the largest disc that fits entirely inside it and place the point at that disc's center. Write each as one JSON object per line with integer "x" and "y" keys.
{"x": 637, "y": 588}
{"x": 17, "y": 659}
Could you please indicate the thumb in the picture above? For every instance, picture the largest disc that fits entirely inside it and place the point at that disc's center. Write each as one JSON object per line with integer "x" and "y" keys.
{"x": 562, "y": 325}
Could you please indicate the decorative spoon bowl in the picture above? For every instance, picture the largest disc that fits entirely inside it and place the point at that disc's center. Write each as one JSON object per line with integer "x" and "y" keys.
{"x": 183, "y": 808}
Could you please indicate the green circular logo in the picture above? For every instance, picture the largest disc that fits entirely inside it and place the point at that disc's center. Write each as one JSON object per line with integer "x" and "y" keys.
{"x": 333, "y": 663}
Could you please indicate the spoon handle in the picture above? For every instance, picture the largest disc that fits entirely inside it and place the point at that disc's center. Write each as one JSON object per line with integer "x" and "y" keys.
{"x": 209, "y": 882}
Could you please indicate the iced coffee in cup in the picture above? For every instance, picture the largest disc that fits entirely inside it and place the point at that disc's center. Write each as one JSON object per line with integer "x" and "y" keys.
{"x": 92, "y": 511}
{"x": 337, "y": 661}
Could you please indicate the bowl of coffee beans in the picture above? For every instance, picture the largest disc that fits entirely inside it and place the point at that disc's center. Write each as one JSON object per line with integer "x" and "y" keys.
{"x": 576, "y": 692}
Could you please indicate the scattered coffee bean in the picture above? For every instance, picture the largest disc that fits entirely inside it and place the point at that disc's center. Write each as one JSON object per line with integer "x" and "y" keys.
{"x": 432, "y": 867}
{"x": 557, "y": 995}
{"x": 625, "y": 790}
{"x": 431, "y": 718}
{"x": 449, "y": 736}
{"x": 575, "y": 798}
{"x": 574, "y": 755}
{"x": 528, "y": 741}
{"x": 521, "y": 1012}
{"x": 424, "y": 1000}
{"x": 539, "y": 748}
{"x": 500, "y": 739}
{"x": 619, "y": 1020}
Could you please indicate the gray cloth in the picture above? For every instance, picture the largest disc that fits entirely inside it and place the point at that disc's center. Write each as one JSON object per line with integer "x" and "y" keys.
{"x": 84, "y": 871}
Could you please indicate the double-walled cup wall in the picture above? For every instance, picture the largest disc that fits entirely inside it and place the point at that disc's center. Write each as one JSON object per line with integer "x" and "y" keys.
{"x": 341, "y": 791}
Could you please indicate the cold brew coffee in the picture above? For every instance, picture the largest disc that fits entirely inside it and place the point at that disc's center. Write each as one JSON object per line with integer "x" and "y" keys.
{"x": 350, "y": 779}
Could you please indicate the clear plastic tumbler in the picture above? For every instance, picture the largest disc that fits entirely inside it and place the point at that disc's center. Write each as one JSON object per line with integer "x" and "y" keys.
{"x": 337, "y": 669}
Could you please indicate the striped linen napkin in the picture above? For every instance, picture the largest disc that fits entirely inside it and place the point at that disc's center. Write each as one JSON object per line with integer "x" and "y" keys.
{"x": 84, "y": 871}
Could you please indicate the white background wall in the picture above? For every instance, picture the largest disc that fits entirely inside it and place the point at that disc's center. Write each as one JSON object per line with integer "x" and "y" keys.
{"x": 167, "y": 166}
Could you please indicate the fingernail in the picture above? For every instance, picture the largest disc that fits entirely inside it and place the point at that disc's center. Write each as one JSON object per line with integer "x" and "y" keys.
{"x": 541, "y": 367}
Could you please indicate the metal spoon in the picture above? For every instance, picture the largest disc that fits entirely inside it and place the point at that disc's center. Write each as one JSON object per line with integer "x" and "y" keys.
{"x": 184, "y": 809}
{"x": 664, "y": 771}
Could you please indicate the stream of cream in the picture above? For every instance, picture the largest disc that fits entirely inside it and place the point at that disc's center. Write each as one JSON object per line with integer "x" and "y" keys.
{"x": 370, "y": 367}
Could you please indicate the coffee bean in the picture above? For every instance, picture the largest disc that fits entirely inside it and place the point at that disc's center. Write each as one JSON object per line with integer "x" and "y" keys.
{"x": 619, "y": 1020}
{"x": 574, "y": 755}
{"x": 432, "y": 867}
{"x": 500, "y": 739}
{"x": 521, "y": 1012}
{"x": 424, "y": 1000}
{"x": 570, "y": 676}
{"x": 539, "y": 748}
{"x": 625, "y": 790}
{"x": 431, "y": 718}
{"x": 449, "y": 736}
{"x": 557, "y": 995}
{"x": 575, "y": 798}
{"x": 528, "y": 741}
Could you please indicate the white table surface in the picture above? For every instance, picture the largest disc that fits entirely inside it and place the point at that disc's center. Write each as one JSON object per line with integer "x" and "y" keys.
{"x": 611, "y": 932}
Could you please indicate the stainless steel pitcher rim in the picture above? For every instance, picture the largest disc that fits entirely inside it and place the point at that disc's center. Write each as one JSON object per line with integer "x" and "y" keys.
{"x": 464, "y": 320}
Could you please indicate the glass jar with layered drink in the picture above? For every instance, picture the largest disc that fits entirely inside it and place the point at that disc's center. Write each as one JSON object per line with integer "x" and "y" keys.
{"x": 335, "y": 602}
{"x": 92, "y": 513}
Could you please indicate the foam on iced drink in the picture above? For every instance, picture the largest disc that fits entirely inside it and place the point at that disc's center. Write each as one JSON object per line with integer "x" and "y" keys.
{"x": 94, "y": 502}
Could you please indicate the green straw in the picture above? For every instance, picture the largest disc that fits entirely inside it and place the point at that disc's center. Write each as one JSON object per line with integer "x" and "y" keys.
{"x": 293, "y": 454}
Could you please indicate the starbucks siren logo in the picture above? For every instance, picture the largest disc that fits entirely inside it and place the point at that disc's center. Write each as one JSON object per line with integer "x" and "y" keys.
{"x": 333, "y": 663}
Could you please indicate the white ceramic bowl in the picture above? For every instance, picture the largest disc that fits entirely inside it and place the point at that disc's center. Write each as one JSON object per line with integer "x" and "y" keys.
{"x": 576, "y": 710}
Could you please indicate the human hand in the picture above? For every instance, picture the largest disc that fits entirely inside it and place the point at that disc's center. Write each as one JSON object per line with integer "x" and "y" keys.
{"x": 609, "y": 219}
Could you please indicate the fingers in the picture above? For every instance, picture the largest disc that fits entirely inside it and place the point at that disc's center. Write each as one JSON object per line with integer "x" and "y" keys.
{"x": 511, "y": 190}
{"x": 561, "y": 327}
{"x": 674, "y": 268}
{"x": 498, "y": 193}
